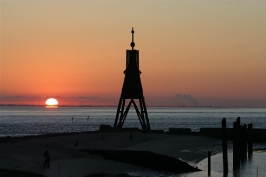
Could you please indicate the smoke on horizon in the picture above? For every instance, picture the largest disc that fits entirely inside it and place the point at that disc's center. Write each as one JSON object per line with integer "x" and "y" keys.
{"x": 187, "y": 97}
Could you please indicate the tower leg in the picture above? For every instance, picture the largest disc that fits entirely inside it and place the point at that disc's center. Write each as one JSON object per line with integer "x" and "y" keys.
{"x": 146, "y": 115}
{"x": 144, "y": 127}
{"x": 125, "y": 113}
{"x": 117, "y": 113}
{"x": 119, "y": 125}
{"x": 142, "y": 114}
{"x": 138, "y": 113}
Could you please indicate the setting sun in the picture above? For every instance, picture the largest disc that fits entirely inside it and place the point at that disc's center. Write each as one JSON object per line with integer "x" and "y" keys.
{"x": 51, "y": 102}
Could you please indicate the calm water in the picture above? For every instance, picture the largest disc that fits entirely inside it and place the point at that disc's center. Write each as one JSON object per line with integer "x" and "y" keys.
{"x": 253, "y": 167}
{"x": 21, "y": 121}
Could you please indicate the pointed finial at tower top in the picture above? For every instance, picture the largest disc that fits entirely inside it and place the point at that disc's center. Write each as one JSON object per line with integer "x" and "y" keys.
{"x": 132, "y": 44}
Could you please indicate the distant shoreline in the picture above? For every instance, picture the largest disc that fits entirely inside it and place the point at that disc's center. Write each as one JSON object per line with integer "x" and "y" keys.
{"x": 33, "y": 105}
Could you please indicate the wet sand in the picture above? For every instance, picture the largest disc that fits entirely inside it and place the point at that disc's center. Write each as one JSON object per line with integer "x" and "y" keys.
{"x": 27, "y": 153}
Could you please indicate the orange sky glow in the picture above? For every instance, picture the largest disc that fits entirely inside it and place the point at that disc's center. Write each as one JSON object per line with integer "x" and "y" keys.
{"x": 74, "y": 51}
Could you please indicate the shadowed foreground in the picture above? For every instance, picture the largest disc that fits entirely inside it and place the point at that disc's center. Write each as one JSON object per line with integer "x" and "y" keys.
{"x": 146, "y": 159}
{"x": 27, "y": 153}
{"x": 108, "y": 175}
{"x": 18, "y": 173}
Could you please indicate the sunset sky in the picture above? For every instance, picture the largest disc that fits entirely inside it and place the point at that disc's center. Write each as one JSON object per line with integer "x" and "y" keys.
{"x": 191, "y": 52}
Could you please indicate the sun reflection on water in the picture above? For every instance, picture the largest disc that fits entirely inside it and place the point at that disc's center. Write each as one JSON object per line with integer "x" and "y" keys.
{"x": 51, "y": 106}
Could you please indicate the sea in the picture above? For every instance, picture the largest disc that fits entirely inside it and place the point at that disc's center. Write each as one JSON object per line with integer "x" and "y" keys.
{"x": 26, "y": 120}
{"x": 17, "y": 121}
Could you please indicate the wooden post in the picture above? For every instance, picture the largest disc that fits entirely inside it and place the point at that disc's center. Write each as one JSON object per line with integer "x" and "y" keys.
{"x": 250, "y": 145}
{"x": 236, "y": 144}
{"x": 224, "y": 137}
{"x": 234, "y": 147}
{"x": 72, "y": 124}
{"x": 245, "y": 142}
{"x": 242, "y": 144}
{"x": 88, "y": 122}
{"x": 238, "y": 139}
{"x": 209, "y": 163}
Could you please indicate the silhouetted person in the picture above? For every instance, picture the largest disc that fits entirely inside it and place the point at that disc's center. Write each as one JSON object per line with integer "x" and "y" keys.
{"x": 45, "y": 162}
{"x": 48, "y": 161}
{"x": 46, "y": 152}
{"x": 47, "y": 158}
{"x": 76, "y": 144}
{"x": 131, "y": 136}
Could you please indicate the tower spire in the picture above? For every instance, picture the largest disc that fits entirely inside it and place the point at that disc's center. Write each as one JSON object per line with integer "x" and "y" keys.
{"x": 132, "y": 44}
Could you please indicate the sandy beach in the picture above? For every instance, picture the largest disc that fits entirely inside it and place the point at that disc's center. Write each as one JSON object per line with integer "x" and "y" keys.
{"x": 26, "y": 154}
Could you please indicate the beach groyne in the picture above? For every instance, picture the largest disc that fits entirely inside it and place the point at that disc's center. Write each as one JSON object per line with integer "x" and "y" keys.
{"x": 258, "y": 135}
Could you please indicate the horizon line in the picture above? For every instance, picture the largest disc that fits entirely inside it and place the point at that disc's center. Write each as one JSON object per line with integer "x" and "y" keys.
{"x": 177, "y": 106}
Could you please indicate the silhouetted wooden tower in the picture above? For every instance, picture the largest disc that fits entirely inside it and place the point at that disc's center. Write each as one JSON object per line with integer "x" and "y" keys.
{"x": 132, "y": 89}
